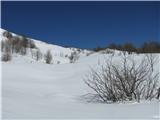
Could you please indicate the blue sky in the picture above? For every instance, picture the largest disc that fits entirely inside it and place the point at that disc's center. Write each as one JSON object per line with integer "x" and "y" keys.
{"x": 83, "y": 24}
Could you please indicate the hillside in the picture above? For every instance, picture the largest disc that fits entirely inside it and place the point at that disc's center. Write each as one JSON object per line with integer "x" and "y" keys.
{"x": 34, "y": 90}
{"x": 60, "y": 54}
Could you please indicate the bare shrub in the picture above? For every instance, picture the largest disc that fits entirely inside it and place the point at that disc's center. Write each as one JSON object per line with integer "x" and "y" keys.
{"x": 73, "y": 57}
{"x": 66, "y": 56}
{"x": 89, "y": 53}
{"x": 7, "y": 34}
{"x": 107, "y": 51}
{"x": 6, "y": 46}
{"x": 152, "y": 59}
{"x": 6, "y": 56}
{"x": 23, "y": 51}
{"x": 31, "y": 44}
{"x": 2, "y": 46}
{"x": 48, "y": 57}
{"x": 126, "y": 81}
{"x": 58, "y": 62}
{"x": 61, "y": 54}
{"x": 38, "y": 55}
{"x": 16, "y": 44}
{"x": 158, "y": 93}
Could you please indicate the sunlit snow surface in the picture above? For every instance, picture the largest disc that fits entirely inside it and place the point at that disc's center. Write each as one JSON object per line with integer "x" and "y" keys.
{"x": 35, "y": 90}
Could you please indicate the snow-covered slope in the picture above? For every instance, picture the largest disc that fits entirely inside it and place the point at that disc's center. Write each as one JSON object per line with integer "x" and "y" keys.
{"x": 34, "y": 90}
{"x": 37, "y": 90}
{"x": 60, "y": 54}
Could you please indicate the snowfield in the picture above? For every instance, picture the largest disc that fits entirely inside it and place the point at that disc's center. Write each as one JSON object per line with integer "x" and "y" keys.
{"x": 35, "y": 90}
